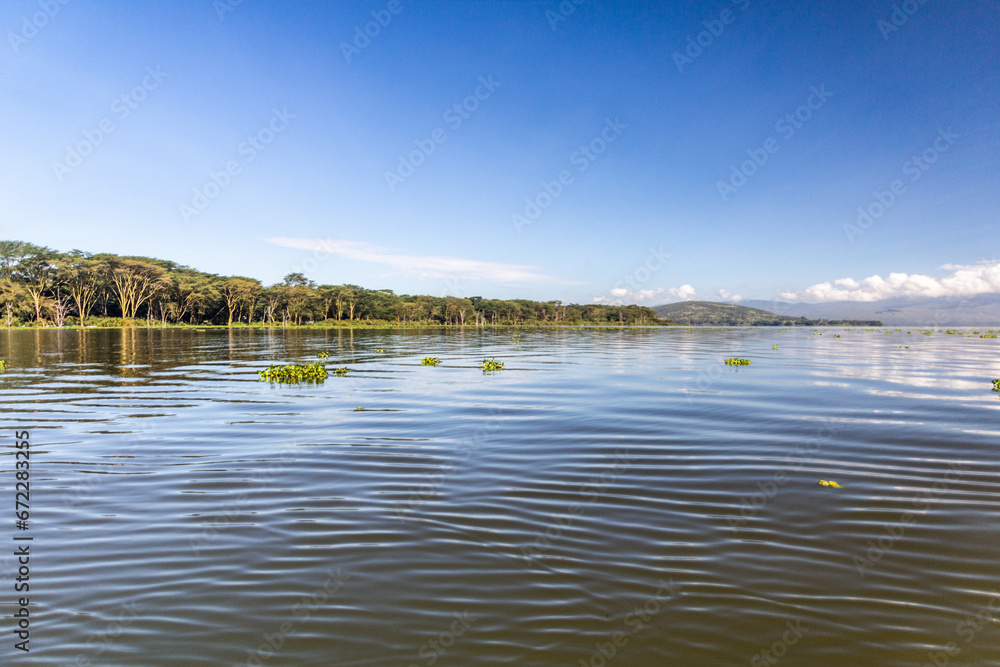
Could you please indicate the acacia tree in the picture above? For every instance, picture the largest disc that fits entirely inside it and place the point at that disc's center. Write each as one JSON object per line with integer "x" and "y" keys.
{"x": 83, "y": 279}
{"x": 12, "y": 295}
{"x": 192, "y": 293}
{"x": 237, "y": 293}
{"x": 134, "y": 282}
{"x": 273, "y": 297}
{"x": 298, "y": 293}
{"x": 37, "y": 271}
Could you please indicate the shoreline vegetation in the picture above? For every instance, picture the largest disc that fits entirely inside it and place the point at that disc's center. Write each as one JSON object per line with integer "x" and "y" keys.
{"x": 41, "y": 288}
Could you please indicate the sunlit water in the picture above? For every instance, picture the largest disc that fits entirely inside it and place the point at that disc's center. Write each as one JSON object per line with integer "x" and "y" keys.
{"x": 613, "y": 497}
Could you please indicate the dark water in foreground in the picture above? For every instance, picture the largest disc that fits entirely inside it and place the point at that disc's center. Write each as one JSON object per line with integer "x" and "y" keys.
{"x": 612, "y": 497}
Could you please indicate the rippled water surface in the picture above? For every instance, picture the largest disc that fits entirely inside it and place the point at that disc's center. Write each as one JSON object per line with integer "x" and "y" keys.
{"x": 613, "y": 497}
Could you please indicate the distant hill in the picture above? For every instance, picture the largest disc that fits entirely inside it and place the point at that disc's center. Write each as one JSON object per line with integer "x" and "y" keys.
{"x": 980, "y": 310}
{"x": 710, "y": 313}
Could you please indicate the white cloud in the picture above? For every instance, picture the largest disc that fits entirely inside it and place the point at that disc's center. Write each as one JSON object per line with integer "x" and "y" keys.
{"x": 621, "y": 296}
{"x": 726, "y": 296}
{"x": 426, "y": 266}
{"x": 963, "y": 281}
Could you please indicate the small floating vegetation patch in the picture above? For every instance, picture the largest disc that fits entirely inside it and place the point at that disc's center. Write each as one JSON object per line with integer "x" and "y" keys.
{"x": 379, "y": 351}
{"x": 736, "y": 361}
{"x": 492, "y": 365}
{"x": 315, "y": 372}
{"x": 996, "y": 385}
{"x": 341, "y": 371}
{"x": 774, "y": 347}
{"x": 430, "y": 361}
{"x": 359, "y": 409}
{"x": 983, "y": 336}
{"x": 3, "y": 365}
{"x": 824, "y": 482}
{"x": 323, "y": 355}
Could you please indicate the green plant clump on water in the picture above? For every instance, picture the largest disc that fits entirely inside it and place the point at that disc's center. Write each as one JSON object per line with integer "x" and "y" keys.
{"x": 736, "y": 361}
{"x": 341, "y": 371}
{"x": 315, "y": 372}
{"x": 3, "y": 365}
{"x": 430, "y": 361}
{"x": 983, "y": 336}
{"x": 323, "y": 355}
{"x": 492, "y": 365}
{"x": 996, "y": 385}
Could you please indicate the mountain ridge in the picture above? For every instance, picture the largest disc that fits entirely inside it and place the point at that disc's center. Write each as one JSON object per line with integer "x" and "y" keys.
{"x": 712, "y": 313}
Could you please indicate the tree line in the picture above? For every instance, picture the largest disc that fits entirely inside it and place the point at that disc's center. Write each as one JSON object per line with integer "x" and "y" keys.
{"x": 43, "y": 287}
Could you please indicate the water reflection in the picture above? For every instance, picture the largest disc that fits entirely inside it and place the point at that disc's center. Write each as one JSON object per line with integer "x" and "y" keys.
{"x": 203, "y": 510}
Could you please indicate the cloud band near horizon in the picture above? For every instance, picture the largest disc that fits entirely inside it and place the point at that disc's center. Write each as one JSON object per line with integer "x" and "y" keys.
{"x": 963, "y": 281}
{"x": 426, "y": 266}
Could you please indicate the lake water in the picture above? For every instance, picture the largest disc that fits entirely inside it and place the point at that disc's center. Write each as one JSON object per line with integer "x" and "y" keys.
{"x": 612, "y": 497}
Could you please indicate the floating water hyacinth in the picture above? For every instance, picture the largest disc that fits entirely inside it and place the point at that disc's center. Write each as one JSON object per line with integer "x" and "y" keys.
{"x": 379, "y": 351}
{"x": 323, "y": 355}
{"x": 315, "y": 372}
{"x": 988, "y": 336}
{"x": 996, "y": 385}
{"x": 492, "y": 365}
{"x": 430, "y": 361}
{"x": 736, "y": 361}
{"x": 341, "y": 371}
{"x": 774, "y": 347}
{"x": 3, "y": 365}
{"x": 824, "y": 482}
{"x": 359, "y": 409}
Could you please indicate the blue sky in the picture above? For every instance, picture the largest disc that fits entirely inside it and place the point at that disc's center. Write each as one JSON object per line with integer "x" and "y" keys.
{"x": 611, "y": 151}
